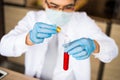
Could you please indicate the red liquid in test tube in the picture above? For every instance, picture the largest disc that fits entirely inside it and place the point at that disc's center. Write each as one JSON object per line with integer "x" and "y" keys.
{"x": 66, "y": 61}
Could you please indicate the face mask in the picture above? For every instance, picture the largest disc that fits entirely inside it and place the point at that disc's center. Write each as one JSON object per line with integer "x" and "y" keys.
{"x": 59, "y": 18}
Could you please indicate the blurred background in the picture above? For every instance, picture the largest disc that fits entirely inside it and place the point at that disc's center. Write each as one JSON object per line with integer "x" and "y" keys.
{"x": 106, "y": 13}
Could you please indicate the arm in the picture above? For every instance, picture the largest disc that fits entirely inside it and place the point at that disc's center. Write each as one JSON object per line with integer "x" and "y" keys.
{"x": 105, "y": 47}
{"x": 108, "y": 49}
{"x": 13, "y": 43}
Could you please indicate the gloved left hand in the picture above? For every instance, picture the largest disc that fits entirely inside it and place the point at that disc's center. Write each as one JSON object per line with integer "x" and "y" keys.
{"x": 81, "y": 48}
{"x": 42, "y": 31}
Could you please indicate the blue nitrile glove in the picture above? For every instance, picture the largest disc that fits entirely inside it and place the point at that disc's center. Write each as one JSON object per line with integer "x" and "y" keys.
{"x": 41, "y": 31}
{"x": 81, "y": 48}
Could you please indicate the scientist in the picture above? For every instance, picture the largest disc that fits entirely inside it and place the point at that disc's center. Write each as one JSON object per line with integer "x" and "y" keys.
{"x": 38, "y": 34}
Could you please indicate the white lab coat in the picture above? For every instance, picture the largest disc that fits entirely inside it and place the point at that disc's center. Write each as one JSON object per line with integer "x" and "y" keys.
{"x": 80, "y": 25}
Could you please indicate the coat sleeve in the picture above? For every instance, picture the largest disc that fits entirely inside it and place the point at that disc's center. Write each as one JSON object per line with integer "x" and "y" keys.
{"x": 108, "y": 47}
{"x": 13, "y": 43}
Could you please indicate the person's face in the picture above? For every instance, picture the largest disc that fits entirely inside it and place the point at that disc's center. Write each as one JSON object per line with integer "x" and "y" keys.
{"x": 63, "y": 5}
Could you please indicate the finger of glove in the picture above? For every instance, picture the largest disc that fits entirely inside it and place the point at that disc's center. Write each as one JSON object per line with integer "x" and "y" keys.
{"x": 40, "y": 26}
{"x": 75, "y": 50}
{"x": 43, "y": 35}
{"x": 89, "y": 44}
{"x": 71, "y": 45}
{"x": 38, "y": 40}
{"x": 34, "y": 39}
{"x": 79, "y": 54}
{"x": 82, "y": 57}
{"x": 47, "y": 31}
{"x": 44, "y": 25}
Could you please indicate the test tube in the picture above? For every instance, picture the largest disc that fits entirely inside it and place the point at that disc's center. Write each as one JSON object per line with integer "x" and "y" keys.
{"x": 66, "y": 55}
{"x": 66, "y": 61}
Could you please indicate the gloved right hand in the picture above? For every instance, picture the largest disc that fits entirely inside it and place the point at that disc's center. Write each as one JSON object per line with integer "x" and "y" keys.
{"x": 81, "y": 48}
{"x": 41, "y": 31}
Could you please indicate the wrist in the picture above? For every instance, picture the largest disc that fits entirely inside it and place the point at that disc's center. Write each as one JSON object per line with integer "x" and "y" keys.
{"x": 97, "y": 49}
{"x": 28, "y": 41}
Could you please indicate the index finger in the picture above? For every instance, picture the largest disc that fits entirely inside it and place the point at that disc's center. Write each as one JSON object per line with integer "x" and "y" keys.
{"x": 48, "y": 26}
